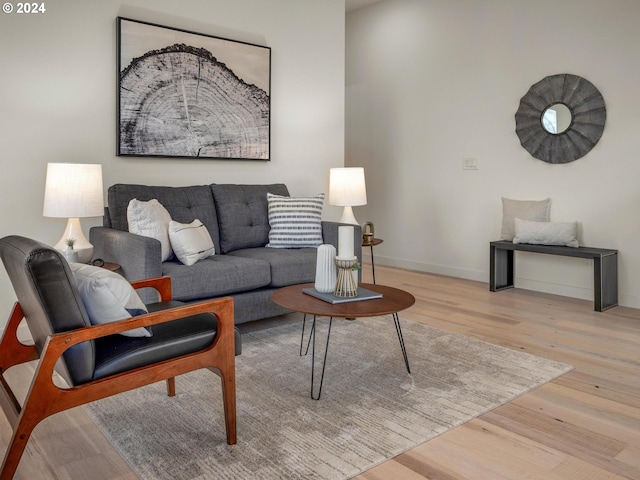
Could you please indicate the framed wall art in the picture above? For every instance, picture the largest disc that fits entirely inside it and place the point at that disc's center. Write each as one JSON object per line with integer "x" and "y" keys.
{"x": 184, "y": 94}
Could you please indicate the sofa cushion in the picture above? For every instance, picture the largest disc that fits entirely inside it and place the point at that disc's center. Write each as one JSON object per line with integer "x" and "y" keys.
{"x": 288, "y": 266}
{"x": 243, "y": 214}
{"x": 216, "y": 276}
{"x": 184, "y": 204}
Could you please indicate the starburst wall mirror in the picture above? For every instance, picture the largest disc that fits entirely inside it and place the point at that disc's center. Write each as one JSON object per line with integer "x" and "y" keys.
{"x": 560, "y": 118}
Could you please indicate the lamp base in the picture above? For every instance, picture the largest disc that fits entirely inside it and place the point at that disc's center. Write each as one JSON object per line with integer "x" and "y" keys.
{"x": 348, "y": 216}
{"x": 81, "y": 244}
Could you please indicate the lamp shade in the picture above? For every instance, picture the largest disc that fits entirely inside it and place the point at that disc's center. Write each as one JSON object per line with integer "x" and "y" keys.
{"x": 347, "y": 187}
{"x": 73, "y": 190}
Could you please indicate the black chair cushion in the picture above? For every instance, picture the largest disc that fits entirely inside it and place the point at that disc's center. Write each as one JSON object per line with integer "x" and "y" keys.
{"x": 116, "y": 353}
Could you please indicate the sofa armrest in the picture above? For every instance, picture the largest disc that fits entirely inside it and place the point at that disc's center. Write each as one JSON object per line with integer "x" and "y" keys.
{"x": 330, "y": 235}
{"x": 139, "y": 257}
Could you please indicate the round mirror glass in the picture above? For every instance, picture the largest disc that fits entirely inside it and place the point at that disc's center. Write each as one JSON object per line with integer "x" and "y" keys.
{"x": 557, "y": 118}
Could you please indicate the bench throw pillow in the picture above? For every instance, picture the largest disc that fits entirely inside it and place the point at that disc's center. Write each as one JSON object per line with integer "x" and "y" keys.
{"x": 150, "y": 219}
{"x": 190, "y": 241}
{"x": 546, "y": 233}
{"x": 295, "y": 222}
{"x": 108, "y": 297}
{"x": 534, "y": 210}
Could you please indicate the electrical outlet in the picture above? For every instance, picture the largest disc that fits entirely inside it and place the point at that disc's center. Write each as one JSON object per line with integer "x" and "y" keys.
{"x": 470, "y": 163}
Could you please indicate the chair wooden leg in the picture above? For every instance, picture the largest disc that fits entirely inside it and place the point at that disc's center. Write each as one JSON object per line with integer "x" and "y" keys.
{"x": 229, "y": 402}
{"x": 18, "y": 443}
{"x": 171, "y": 386}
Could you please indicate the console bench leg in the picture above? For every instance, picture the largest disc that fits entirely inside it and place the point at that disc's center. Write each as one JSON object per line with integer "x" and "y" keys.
{"x": 605, "y": 282}
{"x": 501, "y": 268}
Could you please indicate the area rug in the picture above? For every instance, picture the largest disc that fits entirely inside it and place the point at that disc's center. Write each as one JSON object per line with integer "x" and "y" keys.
{"x": 370, "y": 410}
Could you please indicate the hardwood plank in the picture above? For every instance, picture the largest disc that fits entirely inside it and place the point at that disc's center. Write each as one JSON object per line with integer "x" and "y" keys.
{"x": 563, "y": 436}
{"x": 533, "y": 423}
{"x": 471, "y": 452}
{"x": 576, "y": 468}
{"x": 621, "y": 393}
{"x": 600, "y": 414}
{"x": 399, "y": 470}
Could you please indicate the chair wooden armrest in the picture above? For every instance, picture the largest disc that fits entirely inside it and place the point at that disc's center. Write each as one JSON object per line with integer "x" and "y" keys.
{"x": 161, "y": 284}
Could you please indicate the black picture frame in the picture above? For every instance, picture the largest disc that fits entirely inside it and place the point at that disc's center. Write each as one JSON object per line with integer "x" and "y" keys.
{"x": 182, "y": 94}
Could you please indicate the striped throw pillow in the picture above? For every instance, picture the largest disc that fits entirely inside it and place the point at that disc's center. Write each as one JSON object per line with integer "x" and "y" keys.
{"x": 295, "y": 221}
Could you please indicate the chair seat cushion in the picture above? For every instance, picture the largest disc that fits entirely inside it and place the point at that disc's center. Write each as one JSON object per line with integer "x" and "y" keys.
{"x": 116, "y": 354}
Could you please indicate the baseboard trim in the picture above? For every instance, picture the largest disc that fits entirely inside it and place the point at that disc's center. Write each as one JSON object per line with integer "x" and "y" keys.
{"x": 465, "y": 273}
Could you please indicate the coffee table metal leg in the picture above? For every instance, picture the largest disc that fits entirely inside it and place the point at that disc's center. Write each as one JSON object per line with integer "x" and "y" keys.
{"x": 313, "y": 357}
{"x": 373, "y": 266}
{"x": 304, "y": 322}
{"x": 396, "y": 320}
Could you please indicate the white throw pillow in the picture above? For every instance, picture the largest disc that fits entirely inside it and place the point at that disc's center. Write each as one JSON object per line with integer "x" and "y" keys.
{"x": 108, "y": 297}
{"x": 150, "y": 219}
{"x": 295, "y": 221}
{"x": 534, "y": 210}
{"x": 546, "y": 233}
{"x": 190, "y": 241}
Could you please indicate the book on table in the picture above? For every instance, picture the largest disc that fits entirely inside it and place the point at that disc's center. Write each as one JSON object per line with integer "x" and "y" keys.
{"x": 363, "y": 294}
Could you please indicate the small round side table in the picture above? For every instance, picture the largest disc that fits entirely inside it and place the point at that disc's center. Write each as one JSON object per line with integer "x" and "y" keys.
{"x": 114, "y": 267}
{"x": 371, "y": 244}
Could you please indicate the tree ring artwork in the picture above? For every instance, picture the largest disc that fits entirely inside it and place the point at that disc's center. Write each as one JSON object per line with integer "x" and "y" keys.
{"x": 183, "y": 94}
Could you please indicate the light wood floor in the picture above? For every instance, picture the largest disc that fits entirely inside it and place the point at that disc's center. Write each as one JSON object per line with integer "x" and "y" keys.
{"x": 584, "y": 426}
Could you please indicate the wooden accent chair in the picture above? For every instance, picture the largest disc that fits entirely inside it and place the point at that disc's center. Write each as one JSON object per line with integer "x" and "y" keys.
{"x": 93, "y": 360}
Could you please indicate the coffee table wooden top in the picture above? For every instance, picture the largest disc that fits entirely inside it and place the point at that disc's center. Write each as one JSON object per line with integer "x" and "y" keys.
{"x": 393, "y": 300}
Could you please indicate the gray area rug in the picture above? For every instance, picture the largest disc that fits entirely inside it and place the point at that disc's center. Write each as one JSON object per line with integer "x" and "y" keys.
{"x": 370, "y": 410}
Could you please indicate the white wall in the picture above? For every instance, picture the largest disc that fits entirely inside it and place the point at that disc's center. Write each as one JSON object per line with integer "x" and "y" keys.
{"x": 429, "y": 82}
{"x": 58, "y": 100}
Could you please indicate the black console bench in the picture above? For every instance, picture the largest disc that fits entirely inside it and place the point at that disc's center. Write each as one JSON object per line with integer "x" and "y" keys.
{"x": 605, "y": 268}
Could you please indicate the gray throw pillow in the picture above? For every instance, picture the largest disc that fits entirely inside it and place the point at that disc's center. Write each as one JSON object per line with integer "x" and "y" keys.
{"x": 533, "y": 210}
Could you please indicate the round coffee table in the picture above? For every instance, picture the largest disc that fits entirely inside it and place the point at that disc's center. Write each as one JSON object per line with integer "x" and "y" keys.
{"x": 393, "y": 301}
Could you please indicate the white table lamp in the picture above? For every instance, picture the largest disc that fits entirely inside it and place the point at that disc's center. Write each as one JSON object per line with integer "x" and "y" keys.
{"x": 347, "y": 189}
{"x": 73, "y": 191}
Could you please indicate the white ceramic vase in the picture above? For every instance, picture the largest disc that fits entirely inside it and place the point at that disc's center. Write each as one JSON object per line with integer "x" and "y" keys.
{"x": 326, "y": 273}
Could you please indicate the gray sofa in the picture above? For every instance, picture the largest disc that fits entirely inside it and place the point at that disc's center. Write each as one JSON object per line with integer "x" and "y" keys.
{"x": 236, "y": 217}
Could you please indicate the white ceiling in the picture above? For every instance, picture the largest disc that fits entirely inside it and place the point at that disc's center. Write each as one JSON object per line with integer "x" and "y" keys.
{"x": 351, "y": 5}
